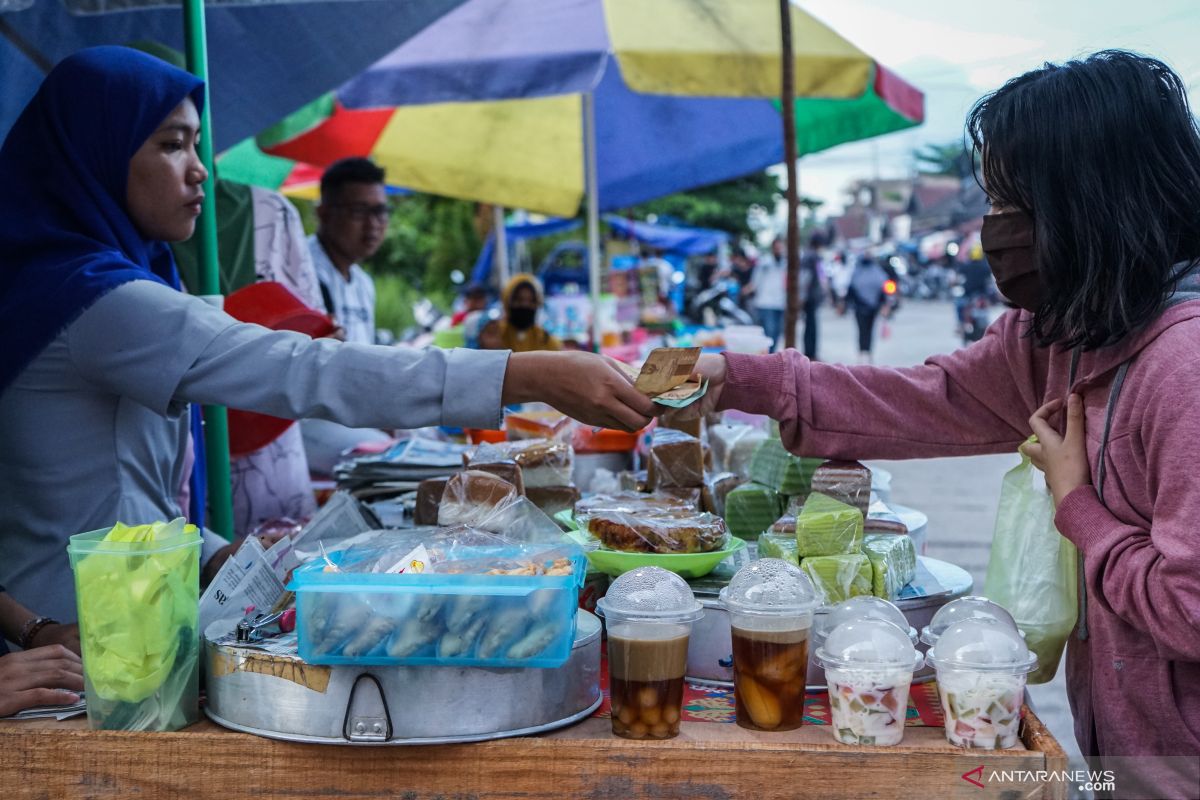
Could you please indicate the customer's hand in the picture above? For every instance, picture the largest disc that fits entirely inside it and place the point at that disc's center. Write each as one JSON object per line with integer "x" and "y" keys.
{"x": 43, "y": 676}
{"x": 584, "y": 386}
{"x": 713, "y": 368}
{"x": 1062, "y": 458}
{"x": 56, "y": 633}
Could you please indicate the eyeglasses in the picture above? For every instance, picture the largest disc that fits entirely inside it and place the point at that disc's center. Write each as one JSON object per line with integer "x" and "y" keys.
{"x": 360, "y": 212}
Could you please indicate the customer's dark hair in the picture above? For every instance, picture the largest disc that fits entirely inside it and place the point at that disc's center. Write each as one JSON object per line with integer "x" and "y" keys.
{"x": 349, "y": 170}
{"x": 1104, "y": 154}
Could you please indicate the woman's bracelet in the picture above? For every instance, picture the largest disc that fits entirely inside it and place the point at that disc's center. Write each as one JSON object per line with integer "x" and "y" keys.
{"x": 32, "y": 628}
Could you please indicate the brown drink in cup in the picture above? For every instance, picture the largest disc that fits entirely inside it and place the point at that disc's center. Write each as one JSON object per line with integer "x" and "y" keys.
{"x": 770, "y": 604}
{"x": 649, "y": 614}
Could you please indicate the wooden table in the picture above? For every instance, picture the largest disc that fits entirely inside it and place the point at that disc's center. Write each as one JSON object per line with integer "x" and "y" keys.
{"x": 40, "y": 759}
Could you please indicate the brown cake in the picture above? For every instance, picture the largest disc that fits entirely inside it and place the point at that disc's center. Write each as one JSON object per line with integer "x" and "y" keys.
{"x": 848, "y": 482}
{"x": 663, "y": 533}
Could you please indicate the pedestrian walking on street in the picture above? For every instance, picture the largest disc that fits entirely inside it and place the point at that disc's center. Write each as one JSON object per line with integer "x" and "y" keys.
{"x": 867, "y": 297}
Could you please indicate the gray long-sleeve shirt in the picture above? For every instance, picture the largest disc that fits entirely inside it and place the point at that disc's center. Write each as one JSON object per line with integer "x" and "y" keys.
{"x": 94, "y": 430}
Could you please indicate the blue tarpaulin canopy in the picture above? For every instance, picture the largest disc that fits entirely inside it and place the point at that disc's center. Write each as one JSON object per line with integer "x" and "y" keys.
{"x": 517, "y": 232}
{"x": 672, "y": 239}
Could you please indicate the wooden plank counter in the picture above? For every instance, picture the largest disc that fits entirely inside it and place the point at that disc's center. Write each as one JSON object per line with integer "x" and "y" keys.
{"x": 47, "y": 759}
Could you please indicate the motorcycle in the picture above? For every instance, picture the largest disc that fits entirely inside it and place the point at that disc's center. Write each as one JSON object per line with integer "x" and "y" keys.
{"x": 975, "y": 317}
{"x": 715, "y": 306}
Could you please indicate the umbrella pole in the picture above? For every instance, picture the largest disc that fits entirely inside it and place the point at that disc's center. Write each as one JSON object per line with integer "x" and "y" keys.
{"x": 593, "y": 212}
{"x": 788, "y": 100}
{"x": 216, "y": 426}
{"x": 501, "y": 244}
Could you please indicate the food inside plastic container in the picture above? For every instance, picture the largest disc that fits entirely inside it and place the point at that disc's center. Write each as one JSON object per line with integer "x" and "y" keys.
{"x": 772, "y": 545}
{"x": 553, "y": 499}
{"x": 869, "y": 666}
{"x": 827, "y": 527}
{"x": 537, "y": 424}
{"x": 429, "y": 500}
{"x": 716, "y": 491}
{"x": 772, "y": 465}
{"x": 893, "y": 563}
{"x": 676, "y": 460}
{"x": 751, "y": 508}
{"x": 665, "y": 532}
{"x": 733, "y": 446}
{"x": 770, "y": 604}
{"x": 631, "y": 503}
{"x": 961, "y": 610}
{"x": 982, "y": 666}
{"x": 471, "y": 497}
{"x": 840, "y": 577}
{"x": 543, "y": 462}
{"x": 648, "y": 614}
{"x": 846, "y": 481}
{"x": 505, "y": 470}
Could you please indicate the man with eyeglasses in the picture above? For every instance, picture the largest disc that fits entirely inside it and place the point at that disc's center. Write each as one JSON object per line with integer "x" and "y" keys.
{"x": 352, "y": 221}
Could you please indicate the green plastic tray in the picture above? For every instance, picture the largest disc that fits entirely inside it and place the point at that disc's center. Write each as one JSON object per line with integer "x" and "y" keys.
{"x": 685, "y": 565}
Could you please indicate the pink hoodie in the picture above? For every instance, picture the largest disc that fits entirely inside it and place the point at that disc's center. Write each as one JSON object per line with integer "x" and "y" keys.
{"x": 1134, "y": 683}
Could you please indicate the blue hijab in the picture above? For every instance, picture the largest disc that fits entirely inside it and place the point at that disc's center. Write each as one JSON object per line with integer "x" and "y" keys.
{"x": 66, "y": 238}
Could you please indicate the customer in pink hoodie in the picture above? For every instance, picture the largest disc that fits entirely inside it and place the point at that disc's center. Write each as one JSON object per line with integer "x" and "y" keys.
{"x": 1093, "y": 170}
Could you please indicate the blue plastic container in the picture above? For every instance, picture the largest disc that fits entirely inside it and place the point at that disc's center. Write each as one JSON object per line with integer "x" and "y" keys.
{"x": 377, "y": 619}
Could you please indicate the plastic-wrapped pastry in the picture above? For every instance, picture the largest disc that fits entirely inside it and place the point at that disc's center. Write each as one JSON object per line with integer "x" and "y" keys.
{"x": 429, "y": 498}
{"x": 827, "y": 527}
{"x": 508, "y": 470}
{"x": 716, "y": 491}
{"x": 840, "y": 577}
{"x": 678, "y": 532}
{"x": 774, "y": 466}
{"x": 543, "y": 462}
{"x": 893, "y": 563}
{"x": 472, "y": 496}
{"x": 751, "y": 508}
{"x": 631, "y": 503}
{"x": 553, "y": 499}
{"x": 847, "y": 481}
{"x": 676, "y": 460}
{"x": 733, "y": 446}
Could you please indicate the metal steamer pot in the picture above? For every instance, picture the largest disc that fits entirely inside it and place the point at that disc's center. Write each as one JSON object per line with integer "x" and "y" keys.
{"x": 281, "y": 697}
{"x": 710, "y": 659}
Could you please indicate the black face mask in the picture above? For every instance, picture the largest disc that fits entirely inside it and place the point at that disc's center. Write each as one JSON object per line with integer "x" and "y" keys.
{"x": 522, "y": 318}
{"x": 1007, "y": 241}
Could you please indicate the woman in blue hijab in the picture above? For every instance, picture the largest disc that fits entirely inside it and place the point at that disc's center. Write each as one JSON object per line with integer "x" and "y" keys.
{"x": 103, "y": 353}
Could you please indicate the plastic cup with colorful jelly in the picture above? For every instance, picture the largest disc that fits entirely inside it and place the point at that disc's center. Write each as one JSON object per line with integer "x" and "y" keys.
{"x": 869, "y": 665}
{"x": 770, "y": 604}
{"x": 864, "y": 607}
{"x": 982, "y": 665}
{"x": 960, "y": 610}
{"x": 648, "y": 613}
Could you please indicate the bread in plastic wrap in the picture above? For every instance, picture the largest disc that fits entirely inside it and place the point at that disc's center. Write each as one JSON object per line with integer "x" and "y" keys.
{"x": 676, "y": 460}
{"x": 429, "y": 498}
{"x": 893, "y": 563}
{"x": 751, "y": 508}
{"x": 733, "y": 446}
{"x": 665, "y": 532}
{"x": 778, "y": 545}
{"x": 716, "y": 490}
{"x": 553, "y": 499}
{"x": 538, "y": 423}
{"x": 685, "y": 423}
{"x": 691, "y": 497}
{"x": 472, "y": 496}
{"x": 847, "y": 481}
{"x": 508, "y": 470}
{"x": 772, "y": 465}
{"x": 828, "y": 527}
{"x": 840, "y": 577}
{"x": 631, "y": 503}
{"x": 543, "y": 462}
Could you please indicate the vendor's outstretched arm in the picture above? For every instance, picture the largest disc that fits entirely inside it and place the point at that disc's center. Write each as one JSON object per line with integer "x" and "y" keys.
{"x": 964, "y": 403}
{"x": 160, "y": 347}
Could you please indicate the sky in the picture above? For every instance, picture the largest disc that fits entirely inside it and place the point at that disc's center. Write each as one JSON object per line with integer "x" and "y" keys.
{"x": 957, "y": 50}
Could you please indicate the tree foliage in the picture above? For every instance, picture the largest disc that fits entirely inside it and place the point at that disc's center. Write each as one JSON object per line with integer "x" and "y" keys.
{"x": 723, "y": 206}
{"x": 953, "y": 159}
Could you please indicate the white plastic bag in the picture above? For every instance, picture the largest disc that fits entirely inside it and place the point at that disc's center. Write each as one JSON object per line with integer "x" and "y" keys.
{"x": 1032, "y": 570}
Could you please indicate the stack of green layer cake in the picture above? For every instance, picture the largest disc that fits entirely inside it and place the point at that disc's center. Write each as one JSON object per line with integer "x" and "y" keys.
{"x": 751, "y": 508}
{"x": 772, "y": 465}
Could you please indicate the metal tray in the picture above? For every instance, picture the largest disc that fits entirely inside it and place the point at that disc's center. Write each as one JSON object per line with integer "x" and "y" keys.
{"x": 278, "y": 695}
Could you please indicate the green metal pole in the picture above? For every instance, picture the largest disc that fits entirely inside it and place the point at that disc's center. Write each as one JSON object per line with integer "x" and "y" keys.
{"x": 216, "y": 424}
